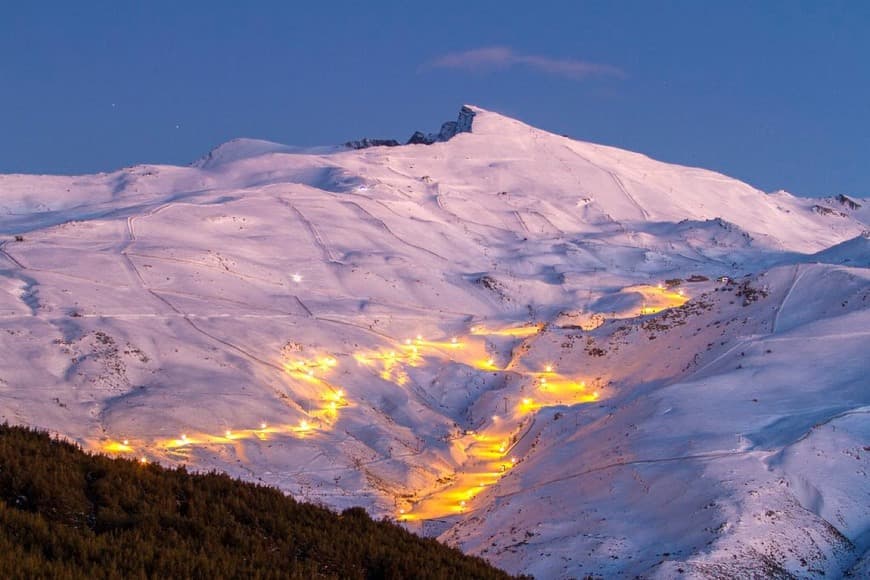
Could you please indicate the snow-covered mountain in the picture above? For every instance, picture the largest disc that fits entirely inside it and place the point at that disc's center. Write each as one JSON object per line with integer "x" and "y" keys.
{"x": 568, "y": 358}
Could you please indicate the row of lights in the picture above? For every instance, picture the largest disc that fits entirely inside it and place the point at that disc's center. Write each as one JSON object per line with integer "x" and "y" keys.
{"x": 184, "y": 440}
{"x": 527, "y": 404}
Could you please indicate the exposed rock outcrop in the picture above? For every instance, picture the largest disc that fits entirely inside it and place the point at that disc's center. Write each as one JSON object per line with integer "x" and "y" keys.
{"x": 366, "y": 143}
{"x": 448, "y": 130}
{"x": 848, "y": 201}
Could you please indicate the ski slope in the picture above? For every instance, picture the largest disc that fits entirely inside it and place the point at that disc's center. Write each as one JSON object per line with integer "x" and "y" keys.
{"x": 520, "y": 343}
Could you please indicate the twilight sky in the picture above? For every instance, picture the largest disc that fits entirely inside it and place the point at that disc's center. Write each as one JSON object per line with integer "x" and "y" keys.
{"x": 776, "y": 93}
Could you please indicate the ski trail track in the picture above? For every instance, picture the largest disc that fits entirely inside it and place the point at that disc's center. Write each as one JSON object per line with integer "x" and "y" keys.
{"x": 379, "y": 223}
{"x": 325, "y": 248}
{"x": 798, "y": 274}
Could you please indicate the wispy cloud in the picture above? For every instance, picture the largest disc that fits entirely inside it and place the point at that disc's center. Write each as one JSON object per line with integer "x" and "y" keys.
{"x": 502, "y": 58}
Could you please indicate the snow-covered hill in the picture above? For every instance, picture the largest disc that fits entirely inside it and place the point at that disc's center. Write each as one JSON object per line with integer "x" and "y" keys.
{"x": 568, "y": 358}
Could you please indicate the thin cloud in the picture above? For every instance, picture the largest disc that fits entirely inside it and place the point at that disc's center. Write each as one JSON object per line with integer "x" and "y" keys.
{"x": 502, "y": 58}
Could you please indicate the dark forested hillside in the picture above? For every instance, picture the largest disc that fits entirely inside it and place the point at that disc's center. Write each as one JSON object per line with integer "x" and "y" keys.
{"x": 65, "y": 513}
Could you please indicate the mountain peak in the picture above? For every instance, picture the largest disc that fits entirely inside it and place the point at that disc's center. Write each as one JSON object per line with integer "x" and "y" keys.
{"x": 449, "y": 129}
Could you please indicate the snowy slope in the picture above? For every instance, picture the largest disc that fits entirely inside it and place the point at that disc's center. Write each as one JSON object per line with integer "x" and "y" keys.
{"x": 488, "y": 338}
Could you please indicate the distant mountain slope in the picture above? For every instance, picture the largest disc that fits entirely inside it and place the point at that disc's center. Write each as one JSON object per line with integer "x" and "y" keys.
{"x": 239, "y": 149}
{"x": 854, "y": 252}
{"x": 518, "y": 342}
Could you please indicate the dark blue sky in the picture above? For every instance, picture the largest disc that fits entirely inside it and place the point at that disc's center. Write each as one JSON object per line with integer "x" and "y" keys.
{"x": 774, "y": 93}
